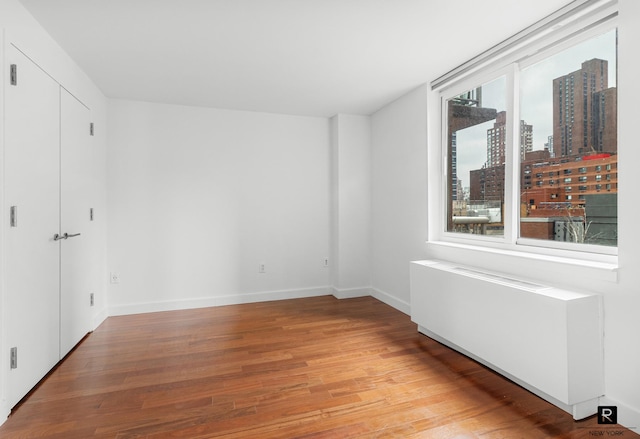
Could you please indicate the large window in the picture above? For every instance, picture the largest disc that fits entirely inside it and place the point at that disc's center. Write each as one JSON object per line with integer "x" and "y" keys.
{"x": 528, "y": 146}
{"x": 570, "y": 100}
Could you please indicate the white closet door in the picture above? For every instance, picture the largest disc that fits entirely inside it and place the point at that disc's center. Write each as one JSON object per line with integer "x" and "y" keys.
{"x": 75, "y": 205}
{"x": 31, "y": 177}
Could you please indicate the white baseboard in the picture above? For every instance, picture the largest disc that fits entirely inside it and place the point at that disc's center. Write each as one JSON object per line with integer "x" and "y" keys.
{"x": 173, "y": 305}
{"x": 392, "y": 301}
{"x": 628, "y": 417}
{"x": 100, "y": 317}
{"x": 267, "y": 296}
{"x": 350, "y": 293}
{"x": 4, "y": 412}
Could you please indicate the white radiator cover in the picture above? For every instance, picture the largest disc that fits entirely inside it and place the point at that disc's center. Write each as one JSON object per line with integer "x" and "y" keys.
{"x": 546, "y": 339}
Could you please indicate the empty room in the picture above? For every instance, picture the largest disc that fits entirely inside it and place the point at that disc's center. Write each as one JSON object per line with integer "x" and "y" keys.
{"x": 318, "y": 219}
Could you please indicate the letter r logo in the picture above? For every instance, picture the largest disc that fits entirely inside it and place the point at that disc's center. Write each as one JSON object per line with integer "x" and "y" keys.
{"x": 607, "y": 414}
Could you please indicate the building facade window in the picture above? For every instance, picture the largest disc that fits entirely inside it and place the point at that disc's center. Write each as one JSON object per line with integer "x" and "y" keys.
{"x": 565, "y": 123}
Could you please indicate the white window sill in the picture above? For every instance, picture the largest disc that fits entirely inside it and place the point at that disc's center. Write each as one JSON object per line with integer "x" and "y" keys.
{"x": 606, "y": 269}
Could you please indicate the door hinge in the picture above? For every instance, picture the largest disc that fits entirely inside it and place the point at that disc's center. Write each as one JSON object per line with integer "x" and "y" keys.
{"x": 91, "y": 214}
{"x": 14, "y": 358}
{"x": 91, "y": 129}
{"x": 14, "y": 74}
{"x": 13, "y": 216}
{"x": 91, "y": 299}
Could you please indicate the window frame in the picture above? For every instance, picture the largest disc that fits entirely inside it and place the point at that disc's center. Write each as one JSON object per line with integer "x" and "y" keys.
{"x": 457, "y": 90}
{"x": 578, "y": 30}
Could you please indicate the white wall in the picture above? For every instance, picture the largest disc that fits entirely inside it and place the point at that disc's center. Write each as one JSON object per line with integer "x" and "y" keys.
{"x": 19, "y": 28}
{"x": 399, "y": 223}
{"x": 351, "y": 205}
{"x": 399, "y": 195}
{"x": 622, "y": 325}
{"x": 198, "y": 198}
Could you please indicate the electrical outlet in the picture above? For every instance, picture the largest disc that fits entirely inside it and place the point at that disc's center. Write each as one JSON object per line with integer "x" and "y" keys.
{"x": 262, "y": 268}
{"x": 115, "y": 278}
{"x": 91, "y": 299}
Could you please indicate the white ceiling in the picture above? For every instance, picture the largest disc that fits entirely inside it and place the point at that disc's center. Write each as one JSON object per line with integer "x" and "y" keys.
{"x": 305, "y": 57}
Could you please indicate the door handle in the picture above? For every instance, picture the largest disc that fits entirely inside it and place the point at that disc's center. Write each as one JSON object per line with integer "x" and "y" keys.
{"x": 57, "y": 237}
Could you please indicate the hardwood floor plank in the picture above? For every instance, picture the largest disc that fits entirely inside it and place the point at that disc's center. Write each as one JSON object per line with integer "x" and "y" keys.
{"x": 308, "y": 368}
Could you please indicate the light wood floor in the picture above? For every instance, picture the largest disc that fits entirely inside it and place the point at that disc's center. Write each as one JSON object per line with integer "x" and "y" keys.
{"x": 305, "y": 368}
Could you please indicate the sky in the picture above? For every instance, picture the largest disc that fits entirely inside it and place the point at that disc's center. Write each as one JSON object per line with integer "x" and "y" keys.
{"x": 536, "y": 107}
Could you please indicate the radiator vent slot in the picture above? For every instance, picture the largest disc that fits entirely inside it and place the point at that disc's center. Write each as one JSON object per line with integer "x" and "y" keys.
{"x": 518, "y": 283}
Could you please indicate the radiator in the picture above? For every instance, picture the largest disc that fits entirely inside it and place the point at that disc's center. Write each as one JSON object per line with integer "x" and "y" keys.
{"x": 545, "y": 339}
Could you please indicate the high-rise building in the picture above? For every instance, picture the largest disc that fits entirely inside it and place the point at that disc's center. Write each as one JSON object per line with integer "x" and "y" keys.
{"x": 497, "y": 140}
{"x": 605, "y": 121}
{"x": 526, "y": 139}
{"x": 584, "y": 111}
{"x": 454, "y": 166}
{"x": 464, "y": 111}
{"x": 487, "y": 184}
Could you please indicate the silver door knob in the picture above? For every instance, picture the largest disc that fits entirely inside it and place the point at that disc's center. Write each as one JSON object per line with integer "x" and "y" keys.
{"x": 57, "y": 237}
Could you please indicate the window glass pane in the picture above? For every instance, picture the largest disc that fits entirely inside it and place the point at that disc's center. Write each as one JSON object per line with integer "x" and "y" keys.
{"x": 570, "y": 100}
{"x": 476, "y": 123}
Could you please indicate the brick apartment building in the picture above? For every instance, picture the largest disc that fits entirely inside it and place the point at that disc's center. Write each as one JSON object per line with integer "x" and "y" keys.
{"x": 585, "y": 111}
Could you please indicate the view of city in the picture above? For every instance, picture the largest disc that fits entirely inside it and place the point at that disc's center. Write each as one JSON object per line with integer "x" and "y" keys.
{"x": 567, "y": 150}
